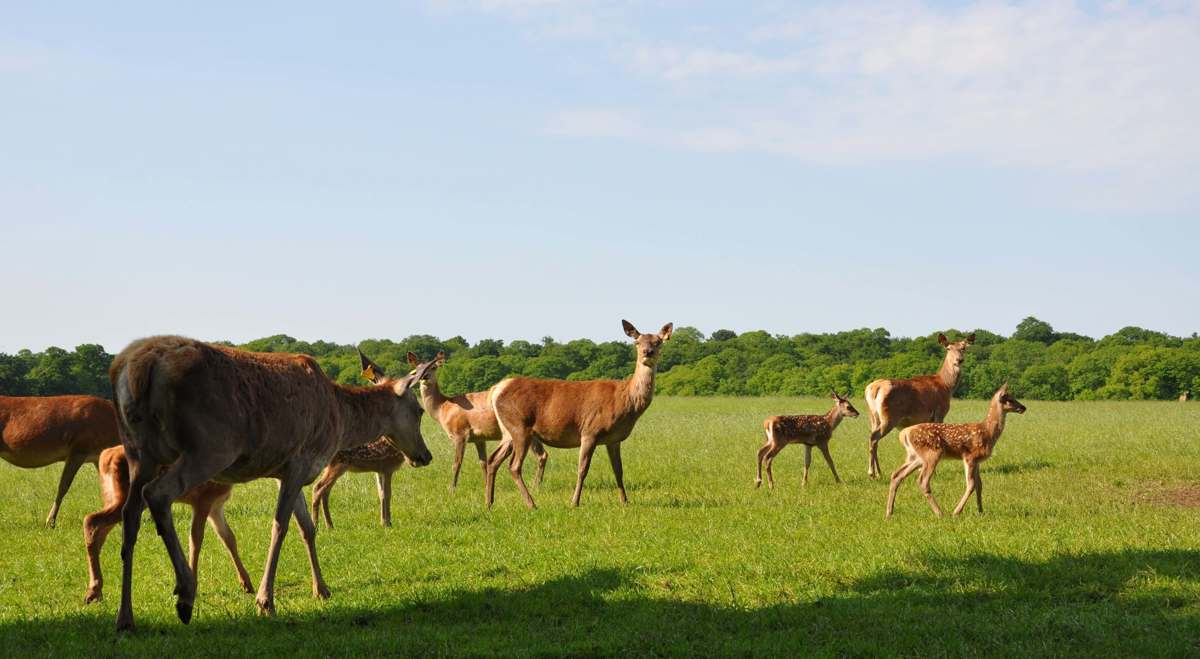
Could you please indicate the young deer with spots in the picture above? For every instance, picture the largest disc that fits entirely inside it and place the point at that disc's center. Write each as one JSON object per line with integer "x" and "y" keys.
{"x": 807, "y": 429}
{"x": 567, "y": 414}
{"x": 207, "y": 501}
{"x": 923, "y": 399}
{"x": 36, "y": 431}
{"x": 466, "y": 418}
{"x": 927, "y": 443}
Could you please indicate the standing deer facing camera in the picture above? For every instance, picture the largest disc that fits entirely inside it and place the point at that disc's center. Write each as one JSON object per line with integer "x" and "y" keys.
{"x": 807, "y": 429}
{"x": 1185, "y": 396}
{"x": 566, "y": 414}
{"x": 927, "y": 443}
{"x": 923, "y": 399}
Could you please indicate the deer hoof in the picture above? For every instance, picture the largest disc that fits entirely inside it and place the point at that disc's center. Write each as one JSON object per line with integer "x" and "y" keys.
{"x": 184, "y": 610}
{"x": 125, "y": 622}
{"x": 266, "y": 608}
{"x": 321, "y": 592}
{"x": 93, "y": 595}
{"x": 757, "y": 483}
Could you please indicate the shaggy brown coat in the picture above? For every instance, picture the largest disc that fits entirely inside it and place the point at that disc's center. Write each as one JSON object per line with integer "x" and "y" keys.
{"x": 925, "y": 398}
{"x": 36, "y": 431}
{"x": 569, "y": 414}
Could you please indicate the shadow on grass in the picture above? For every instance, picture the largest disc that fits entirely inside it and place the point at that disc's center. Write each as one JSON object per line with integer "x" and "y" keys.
{"x": 1123, "y": 603}
{"x": 1019, "y": 467}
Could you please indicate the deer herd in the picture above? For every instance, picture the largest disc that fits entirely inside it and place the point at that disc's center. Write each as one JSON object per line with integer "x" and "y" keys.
{"x": 189, "y": 420}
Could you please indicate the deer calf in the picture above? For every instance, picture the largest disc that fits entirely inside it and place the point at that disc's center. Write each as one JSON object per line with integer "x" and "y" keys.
{"x": 928, "y": 443}
{"x": 807, "y": 429}
{"x": 207, "y": 501}
{"x": 380, "y": 457}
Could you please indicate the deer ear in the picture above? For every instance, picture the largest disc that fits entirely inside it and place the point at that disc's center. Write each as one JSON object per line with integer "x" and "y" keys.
{"x": 630, "y": 330}
{"x": 440, "y": 358}
{"x": 942, "y": 340}
{"x": 369, "y": 373}
{"x": 370, "y": 370}
{"x": 412, "y": 359}
{"x": 1003, "y": 389}
{"x": 971, "y": 337}
{"x": 833, "y": 395}
{"x": 665, "y": 332}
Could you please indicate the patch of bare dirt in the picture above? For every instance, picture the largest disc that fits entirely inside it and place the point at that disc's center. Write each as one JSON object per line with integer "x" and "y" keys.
{"x": 1187, "y": 496}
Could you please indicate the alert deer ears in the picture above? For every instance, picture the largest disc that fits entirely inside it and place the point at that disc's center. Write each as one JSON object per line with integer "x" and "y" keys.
{"x": 370, "y": 370}
{"x": 630, "y": 330}
{"x": 440, "y": 358}
{"x": 412, "y": 359}
{"x": 1003, "y": 389}
{"x": 665, "y": 332}
{"x": 942, "y": 340}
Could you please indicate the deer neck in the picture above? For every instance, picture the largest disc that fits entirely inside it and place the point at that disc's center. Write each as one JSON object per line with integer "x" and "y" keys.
{"x": 949, "y": 372}
{"x": 431, "y": 396}
{"x": 834, "y": 417}
{"x": 993, "y": 425}
{"x": 639, "y": 389}
{"x": 364, "y": 414}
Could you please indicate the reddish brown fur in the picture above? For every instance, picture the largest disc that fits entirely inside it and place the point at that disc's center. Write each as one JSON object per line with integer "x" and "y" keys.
{"x": 207, "y": 501}
{"x": 925, "y": 398}
{"x": 217, "y": 413}
{"x": 38, "y": 431}
{"x": 807, "y": 429}
{"x": 466, "y": 418}
{"x": 927, "y": 443}
{"x": 380, "y": 457}
{"x": 569, "y": 414}
{"x": 1185, "y": 396}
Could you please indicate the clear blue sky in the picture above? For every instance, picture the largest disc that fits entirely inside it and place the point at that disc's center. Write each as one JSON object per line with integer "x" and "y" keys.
{"x": 521, "y": 168}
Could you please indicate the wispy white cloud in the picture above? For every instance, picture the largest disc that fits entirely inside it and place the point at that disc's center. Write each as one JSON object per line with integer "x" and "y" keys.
{"x": 595, "y": 123}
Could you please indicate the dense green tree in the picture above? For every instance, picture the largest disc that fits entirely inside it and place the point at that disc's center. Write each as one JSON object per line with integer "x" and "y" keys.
{"x": 1032, "y": 329}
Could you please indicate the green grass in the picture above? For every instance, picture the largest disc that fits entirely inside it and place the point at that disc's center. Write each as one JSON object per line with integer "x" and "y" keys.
{"x": 1069, "y": 559}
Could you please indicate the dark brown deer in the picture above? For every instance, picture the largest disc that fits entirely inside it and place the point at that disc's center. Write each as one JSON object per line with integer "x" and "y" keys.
{"x": 212, "y": 412}
{"x": 807, "y": 429}
{"x": 927, "y": 443}
{"x": 466, "y": 418}
{"x": 925, "y": 398}
{"x": 569, "y": 414}
{"x": 207, "y": 501}
{"x": 36, "y": 431}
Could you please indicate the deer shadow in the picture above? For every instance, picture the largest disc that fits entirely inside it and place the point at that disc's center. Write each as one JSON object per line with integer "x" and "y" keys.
{"x": 1019, "y": 467}
{"x": 981, "y": 604}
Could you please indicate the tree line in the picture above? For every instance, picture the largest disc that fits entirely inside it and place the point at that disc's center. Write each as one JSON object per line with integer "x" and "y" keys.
{"x": 1038, "y": 362}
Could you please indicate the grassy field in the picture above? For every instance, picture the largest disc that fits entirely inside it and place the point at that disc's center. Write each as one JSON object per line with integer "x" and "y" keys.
{"x": 1090, "y": 546}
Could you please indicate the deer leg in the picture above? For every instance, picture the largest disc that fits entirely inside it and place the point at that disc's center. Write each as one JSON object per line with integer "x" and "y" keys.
{"x": 188, "y": 471}
{"x": 494, "y": 462}
{"x": 70, "y": 468}
{"x": 140, "y": 474}
{"x": 481, "y": 451}
{"x": 614, "y": 457}
{"x": 926, "y": 479}
{"x": 762, "y": 453}
{"x": 322, "y": 490}
{"x": 898, "y": 477}
{"x": 460, "y": 447}
{"x": 289, "y": 489}
{"x": 587, "y": 446}
{"x": 384, "y": 481}
{"x": 520, "y": 450}
{"x": 196, "y": 538}
{"x": 807, "y": 462}
{"x": 829, "y": 460}
{"x": 308, "y": 532}
{"x": 542, "y": 456}
{"x": 216, "y": 518}
{"x": 771, "y": 461}
{"x": 95, "y": 529}
{"x": 968, "y": 475}
{"x": 978, "y": 489}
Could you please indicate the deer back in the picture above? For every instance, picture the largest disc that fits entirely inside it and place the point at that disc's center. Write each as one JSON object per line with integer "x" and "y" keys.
{"x": 800, "y": 428}
{"x": 562, "y": 411}
{"x": 915, "y": 400}
{"x": 39, "y": 430}
{"x": 949, "y": 439}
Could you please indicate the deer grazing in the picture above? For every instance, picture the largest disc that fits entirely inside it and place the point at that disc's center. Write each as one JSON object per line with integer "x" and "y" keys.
{"x": 207, "y": 501}
{"x": 807, "y": 429}
{"x": 568, "y": 414}
{"x": 466, "y": 418}
{"x": 212, "y": 412}
{"x": 927, "y": 443}
{"x": 925, "y": 398}
{"x": 36, "y": 431}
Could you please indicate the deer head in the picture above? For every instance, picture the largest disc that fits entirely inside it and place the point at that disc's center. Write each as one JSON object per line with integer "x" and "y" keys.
{"x": 403, "y": 425}
{"x": 649, "y": 346}
{"x": 956, "y": 352}
{"x": 434, "y": 365}
{"x": 843, "y": 404}
{"x": 1007, "y": 402}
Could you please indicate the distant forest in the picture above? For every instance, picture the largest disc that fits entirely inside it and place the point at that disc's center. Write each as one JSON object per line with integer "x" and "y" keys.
{"x": 1038, "y": 362}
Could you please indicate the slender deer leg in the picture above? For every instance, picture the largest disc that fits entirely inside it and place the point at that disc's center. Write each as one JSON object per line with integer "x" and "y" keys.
{"x": 877, "y": 434}
{"x": 926, "y": 479}
{"x": 807, "y": 462}
{"x": 614, "y": 457}
{"x": 460, "y": 447}
{"x": 196, "y": 538}
{"x": 978, "y": 489}
{"x": 481, "y": 451}
{"x": 494, "y": 462}
{"x": 140, "y": 474}
{"x": 70, "y": 468}
{"x": 187, "y": 472}
{"x": 829, "y": 460}
{"x": 898, "y": 477}
{"x": 587, "y": 446}
{"x": 217, "y": 519}
{"x": 968, "y": 475}
{"x": 324, "y": 488}
{"x": 762, "y": 453}
{"x": 95, "y": 529}
{"x": 542, "y": 456}
{"x": 289, "y": 489}
{"x": 308, "y": 533}
{"x": 771, "y": 461}
{"x": 384, "y": 481}
{"x": 520, "y": 450}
